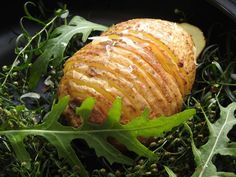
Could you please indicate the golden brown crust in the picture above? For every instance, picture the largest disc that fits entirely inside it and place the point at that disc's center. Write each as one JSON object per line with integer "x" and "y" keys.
{"x": 174, "y": 37}
{"x": 147, "y": 62}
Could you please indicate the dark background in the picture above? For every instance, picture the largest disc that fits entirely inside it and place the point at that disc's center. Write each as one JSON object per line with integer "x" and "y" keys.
{"x": 198, "y": 12}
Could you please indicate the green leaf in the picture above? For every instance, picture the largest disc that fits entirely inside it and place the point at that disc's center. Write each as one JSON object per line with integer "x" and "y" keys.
{"x": 98, "y": 136}
{"x": 17, "y": 144}
{"x": 65, "y": 150}
{"x": 226, "y": 174}
{"x": 85, "y": 109}
{"x": 52, "y": 117}
{"x": 218, "y": 143}
{"x": 115, "y": 111}
{"x": 170, "y": 172}
{"x": 142, "y": 126}
{"x": 95, "y": 135}
{"x": 55, "y": 47}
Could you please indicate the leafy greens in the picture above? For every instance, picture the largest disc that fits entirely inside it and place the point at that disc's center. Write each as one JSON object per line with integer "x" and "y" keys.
{"x": 218, "y": 143}
{"x": 95, "y": 135}
{"x": 53, "y": 50}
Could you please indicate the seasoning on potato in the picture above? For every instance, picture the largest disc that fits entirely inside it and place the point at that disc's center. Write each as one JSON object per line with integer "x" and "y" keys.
{"x": 149, "y": 63}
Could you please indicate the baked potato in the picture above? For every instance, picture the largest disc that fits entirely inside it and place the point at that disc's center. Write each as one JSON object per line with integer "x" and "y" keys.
{"x": 149, "y": 63}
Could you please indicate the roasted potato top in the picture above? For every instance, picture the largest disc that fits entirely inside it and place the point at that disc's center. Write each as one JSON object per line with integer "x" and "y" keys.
{"x": 149, "y": 63}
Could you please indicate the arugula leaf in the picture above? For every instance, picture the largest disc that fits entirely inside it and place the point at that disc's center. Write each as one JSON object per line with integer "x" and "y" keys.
{"x": 218, "y": 143}
{"x": 95, "y": 135}
{"x": 85, "y": 109}
{"x": 143, "y": 126}
{"x": 17, "y": 144}
{"x": 53, "y": 50}
{"x": 170, "y": 172}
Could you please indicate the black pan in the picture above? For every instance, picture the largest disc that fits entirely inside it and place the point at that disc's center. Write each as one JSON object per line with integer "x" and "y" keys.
{"x": 198, "y": 12}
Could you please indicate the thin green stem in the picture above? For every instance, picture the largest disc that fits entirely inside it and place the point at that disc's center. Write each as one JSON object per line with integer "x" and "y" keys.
{"x": 41, "y": 131}
{"x": 220, "y": 83}
{"x": 26, "y": 46}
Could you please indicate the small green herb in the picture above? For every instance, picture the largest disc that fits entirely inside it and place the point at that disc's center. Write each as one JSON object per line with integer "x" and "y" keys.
{"x": 95, "y": 135}
{"x": 170, "y": 172}
{"x": 218, "y": 143}
{"x": 55, "y": 46}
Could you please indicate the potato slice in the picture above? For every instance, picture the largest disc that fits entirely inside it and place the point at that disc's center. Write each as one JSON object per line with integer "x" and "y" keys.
{"x": 197, "y": 36}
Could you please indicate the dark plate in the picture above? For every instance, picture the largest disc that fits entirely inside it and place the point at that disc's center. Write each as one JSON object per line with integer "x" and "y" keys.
{"x": 227, "y": 6}
{"x": 198, "y": 12}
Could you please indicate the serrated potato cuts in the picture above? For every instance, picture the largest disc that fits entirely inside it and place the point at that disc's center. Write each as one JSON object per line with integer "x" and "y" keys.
{"x": 149, "y": 63}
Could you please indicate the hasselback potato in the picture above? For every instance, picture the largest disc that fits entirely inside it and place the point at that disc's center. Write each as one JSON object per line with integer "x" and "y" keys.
{"x": 149, "y": 63}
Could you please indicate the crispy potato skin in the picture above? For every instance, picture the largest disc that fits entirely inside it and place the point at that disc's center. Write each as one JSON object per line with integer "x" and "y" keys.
{"x": 149, "y": 63}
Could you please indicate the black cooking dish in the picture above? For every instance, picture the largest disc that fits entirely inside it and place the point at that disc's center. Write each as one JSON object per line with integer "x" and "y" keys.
{"x": 201, "y": 13}
{"x": 211, "y": 17}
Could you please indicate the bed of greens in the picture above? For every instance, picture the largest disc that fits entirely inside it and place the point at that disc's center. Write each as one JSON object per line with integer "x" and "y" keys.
{"x": 36, "y": 141}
